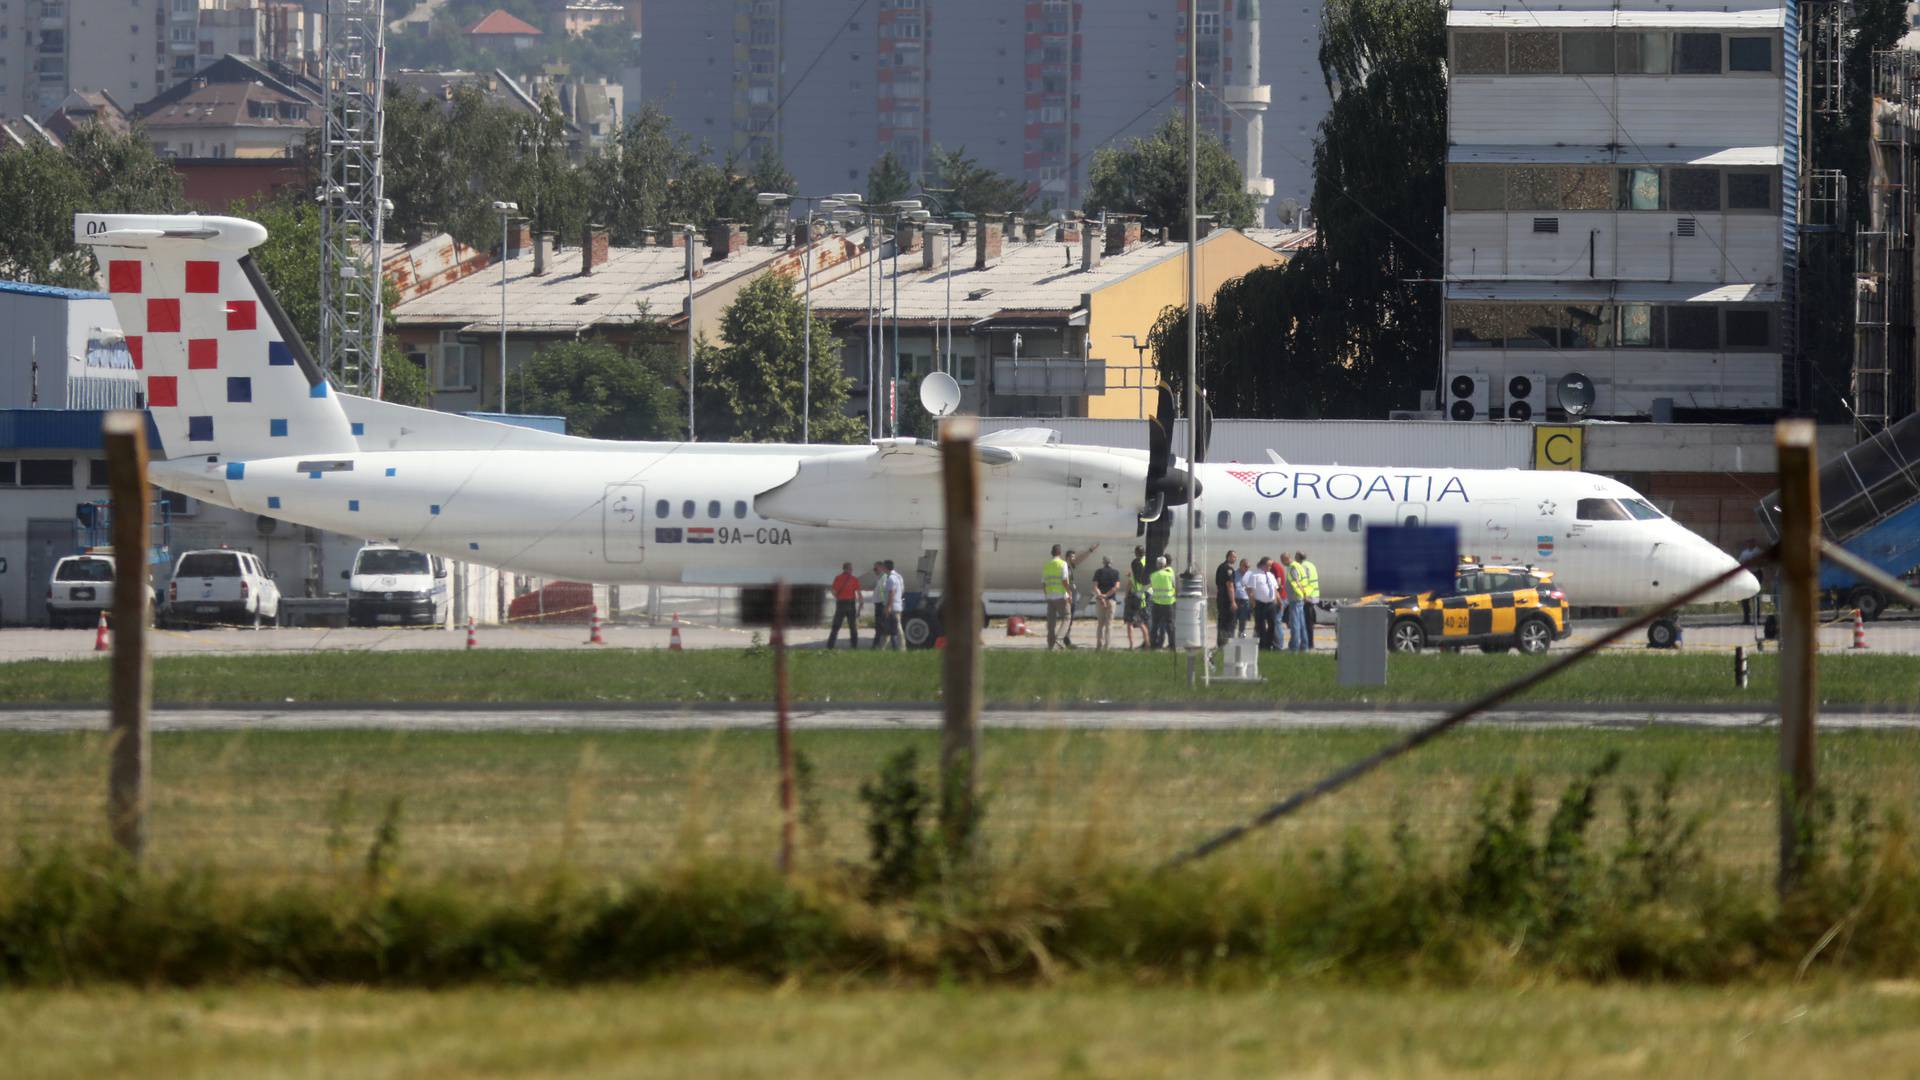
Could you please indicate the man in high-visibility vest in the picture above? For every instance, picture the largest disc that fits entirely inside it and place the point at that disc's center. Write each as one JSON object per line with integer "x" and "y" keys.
{"x": 1053, "y": 582}
{"x": 1160, "y": 597}
{"x": 1310, "y": 584}
{"x": 1137, "y": 595}
{"x": 1295, "y": 613}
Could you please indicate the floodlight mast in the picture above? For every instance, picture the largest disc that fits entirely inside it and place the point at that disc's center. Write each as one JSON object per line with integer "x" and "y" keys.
{"x": 352, "y": 199}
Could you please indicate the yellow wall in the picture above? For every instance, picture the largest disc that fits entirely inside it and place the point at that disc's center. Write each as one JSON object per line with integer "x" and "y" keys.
{"x": 1132, "y": 305}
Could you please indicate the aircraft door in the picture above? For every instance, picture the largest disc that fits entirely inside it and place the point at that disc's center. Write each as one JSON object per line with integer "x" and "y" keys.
{"x": 623, "y": 523}
{"x": 1493, "y": 529}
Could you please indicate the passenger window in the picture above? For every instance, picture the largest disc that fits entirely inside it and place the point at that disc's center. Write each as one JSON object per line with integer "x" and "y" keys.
{"x": 1413, "y": 521}
{"x": 1273, "y": 521}
{"x": 1600, "y": 510}
{"x": 1224, "y": 519}
{"x": 1246, "y": 521}
{"x": 1199, "y": 519}
{"x": 739, "y": 508}
{"x": 1353, "y": 522}
{"x": 713, "y": 508}
{"x": 1326, "y": 522}
{"x": 662, "y": 509}
{"x": 1299, "y": 523}
{"x": 686, "y": 509}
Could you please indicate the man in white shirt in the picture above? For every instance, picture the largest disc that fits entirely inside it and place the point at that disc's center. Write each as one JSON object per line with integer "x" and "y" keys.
{"x": 1263, "y": 589}
{"x": 896, "y": 594}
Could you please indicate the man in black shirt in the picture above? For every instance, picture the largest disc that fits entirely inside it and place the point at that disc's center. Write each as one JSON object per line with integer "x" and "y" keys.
{"x": 1106, "y": 588}
{"x": 1223, "y": 589}
{"x": 1136, "y": 593}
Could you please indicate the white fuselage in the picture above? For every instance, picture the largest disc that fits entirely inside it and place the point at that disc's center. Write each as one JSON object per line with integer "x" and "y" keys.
{"x": 710, "y": 514}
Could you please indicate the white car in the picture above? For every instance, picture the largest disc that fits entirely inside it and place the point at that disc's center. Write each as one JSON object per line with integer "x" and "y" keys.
{"x": 221, "y": 587}
{"x": 80, "y": 589}
{"x": 391, "y": 585}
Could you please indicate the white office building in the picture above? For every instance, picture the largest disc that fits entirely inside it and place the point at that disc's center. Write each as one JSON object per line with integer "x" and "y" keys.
{"x": 1621, "y": 201}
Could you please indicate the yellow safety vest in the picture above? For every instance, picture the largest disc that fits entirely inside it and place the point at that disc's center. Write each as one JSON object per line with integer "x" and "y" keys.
{"x": 1053, "y": 577}
{"x": 1312, "y": 576}
{"x": 1162, "y": 585}
{"x": 1297, "y": 580}
{"x": 1137, "y": 577}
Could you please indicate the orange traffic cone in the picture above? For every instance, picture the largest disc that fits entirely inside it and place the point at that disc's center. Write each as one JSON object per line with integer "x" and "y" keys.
{"x": 673, "y": 640}
{"x": 1859, "y": 630}
{"x": 593, "y": 637}
{"x": 472, "y": 641}
{"x": 100, "y": 641}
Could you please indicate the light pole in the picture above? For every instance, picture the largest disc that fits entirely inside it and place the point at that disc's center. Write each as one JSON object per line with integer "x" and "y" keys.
{"x": 688, "y": 230}
{"x": 506, "y": 210}
{"x": 945, "y": 232}
{"x": 814, "y": 204}
{"x": 904, "y": 210}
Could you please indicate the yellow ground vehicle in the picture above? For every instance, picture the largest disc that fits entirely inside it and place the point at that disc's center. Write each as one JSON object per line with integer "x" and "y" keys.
{"x": 1495, "y": 607}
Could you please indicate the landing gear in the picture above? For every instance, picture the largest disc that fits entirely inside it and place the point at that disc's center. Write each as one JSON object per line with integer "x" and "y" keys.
{"x": 1663, "y": 634}
{"x": 920, "y": 628}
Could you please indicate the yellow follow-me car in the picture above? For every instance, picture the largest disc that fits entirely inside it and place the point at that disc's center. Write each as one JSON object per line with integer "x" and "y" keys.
{"x": 1495, "y": 607}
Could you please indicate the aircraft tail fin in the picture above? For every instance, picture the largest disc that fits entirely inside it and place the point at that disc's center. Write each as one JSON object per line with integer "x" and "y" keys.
{"x": 223, "y": 370}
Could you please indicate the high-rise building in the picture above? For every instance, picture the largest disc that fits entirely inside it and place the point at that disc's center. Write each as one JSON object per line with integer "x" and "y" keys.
{"x": 49, "y": 48}
{"x": 1622, "y": 194}
{"x": 1031, "y": 88}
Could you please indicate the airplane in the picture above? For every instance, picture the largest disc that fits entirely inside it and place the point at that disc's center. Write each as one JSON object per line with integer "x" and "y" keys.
{"x": 248, "y": 420}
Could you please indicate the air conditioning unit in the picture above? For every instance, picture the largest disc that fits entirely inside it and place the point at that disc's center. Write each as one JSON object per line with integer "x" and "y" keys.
{"x": 1527, "y": 396}
{"x": 1468, "y": 396}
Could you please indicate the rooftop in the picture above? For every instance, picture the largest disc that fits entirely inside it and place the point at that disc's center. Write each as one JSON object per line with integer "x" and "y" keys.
{"x": 1284, "y": 241}
{"x": 22, "y": 288}
{"x": 1040, "y": 276}
{"x": 506, "y": 24}
{"x": 233, "y": 105}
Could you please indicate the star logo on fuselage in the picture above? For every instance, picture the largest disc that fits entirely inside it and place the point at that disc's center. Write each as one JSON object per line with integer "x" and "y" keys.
{"x": 1547, "y": 507}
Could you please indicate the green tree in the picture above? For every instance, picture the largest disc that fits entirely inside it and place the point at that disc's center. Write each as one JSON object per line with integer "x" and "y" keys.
{"x": 1148, "y": 176}
{"x": 887, "y": 180}
{"x": 603, "y": 391}
{"x": 972, "y": 187}
{"x": 750, "y": 384}
{"x": 446, "y": 163}
{"x": 630, "y": 183}
{"x": 1349, "y": 327}
{"x": 42, "y": 188}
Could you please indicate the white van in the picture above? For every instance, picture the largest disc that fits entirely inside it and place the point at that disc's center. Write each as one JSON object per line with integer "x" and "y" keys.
{"x": 391, "y": 585}
{"x": 221, "y": 586}
{"x": 80, "y": 589}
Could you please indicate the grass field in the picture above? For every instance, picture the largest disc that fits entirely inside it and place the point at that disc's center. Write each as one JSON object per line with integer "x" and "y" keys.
{"x": 703, "y": 1028}
{"x": 1013, "y": 678}
{"x": 618, "y": 803}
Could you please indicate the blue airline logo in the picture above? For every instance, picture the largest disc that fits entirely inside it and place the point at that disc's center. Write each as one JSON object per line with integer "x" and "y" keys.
{"x": 1351, "y": 486}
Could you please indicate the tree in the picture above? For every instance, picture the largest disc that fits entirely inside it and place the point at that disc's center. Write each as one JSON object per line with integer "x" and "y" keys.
{"x": 630, "y": 182}
{"x": 1148, "y": 176}
{"x": 750, "y": 384}
{"x": 887, "y": 180}
{"x": 1350, "y": 326}
{"x": 603, "y": 391}
{"x": 446, "y": 163}
{"x": 972, "y": 187}
{"x": 42, "y": 188}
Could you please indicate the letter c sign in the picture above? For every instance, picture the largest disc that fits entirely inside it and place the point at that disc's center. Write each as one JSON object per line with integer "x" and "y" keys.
{"x": 1558, "y": 447}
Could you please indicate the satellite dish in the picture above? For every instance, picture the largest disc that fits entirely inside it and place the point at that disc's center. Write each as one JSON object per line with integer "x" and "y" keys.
{"x": 939, "y": 394}
{"x": 1575, "y": 393}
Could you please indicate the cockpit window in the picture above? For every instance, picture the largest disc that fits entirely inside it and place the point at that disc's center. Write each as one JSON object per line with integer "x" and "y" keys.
{"x": 1641, "y": 509}
{"x": 1601, "y": 510}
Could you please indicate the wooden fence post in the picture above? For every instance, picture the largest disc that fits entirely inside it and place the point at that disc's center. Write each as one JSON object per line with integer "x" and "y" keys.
{"x": 125, "y": 435}
{"x": 783, "y": 731}
{"x": 1799, "y": 633}
{"x": 960, "y": 622}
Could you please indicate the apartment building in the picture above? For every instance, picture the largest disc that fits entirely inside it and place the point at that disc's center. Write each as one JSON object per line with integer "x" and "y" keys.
{"x": 1621, "y": 193}
{"x": 1031, "y": 88}
{"x": 124, "y": 48}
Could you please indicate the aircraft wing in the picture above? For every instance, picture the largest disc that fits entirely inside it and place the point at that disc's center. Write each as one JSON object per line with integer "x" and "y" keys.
{"x": 892, "y": 484}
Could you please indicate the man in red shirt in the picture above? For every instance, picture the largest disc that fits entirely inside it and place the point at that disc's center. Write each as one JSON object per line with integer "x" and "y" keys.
{"x": 846, "y": 605}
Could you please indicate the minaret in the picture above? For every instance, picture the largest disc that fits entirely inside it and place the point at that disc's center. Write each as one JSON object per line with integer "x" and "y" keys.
{"x": 1249, "y": 99}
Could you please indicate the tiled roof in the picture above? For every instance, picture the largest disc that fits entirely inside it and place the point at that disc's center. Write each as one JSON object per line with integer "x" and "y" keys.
{"x": 504, "y": 22}
{"x": 225, "y": 105}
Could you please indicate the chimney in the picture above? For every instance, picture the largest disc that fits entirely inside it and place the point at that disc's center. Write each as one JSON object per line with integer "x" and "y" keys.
{"x": 543, "y": 249}
{"x": 1031, "y": 231}
{"x": 1012, "y": 228}
{"x": 519, "y": 237}
{"x": 1122, "y": 235}
{"x": 986, "y": 245}
{"x": 1091, "y": 251}
{"x": 1205, "y": 229}
{"x": 724, "y": 238}
{"x": 1068, "y": 232}
{"x": 909, "y": 237}
{"x": 937, "y": 252}
{"x": 593, "y": 247}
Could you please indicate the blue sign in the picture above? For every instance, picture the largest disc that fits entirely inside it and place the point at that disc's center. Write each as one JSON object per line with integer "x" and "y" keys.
{"x": 1406, "y": 559}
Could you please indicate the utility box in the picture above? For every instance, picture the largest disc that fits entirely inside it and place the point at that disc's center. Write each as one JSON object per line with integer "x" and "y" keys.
{"x": 1239, "y": 661}
{"x": 1190, "y": 613}
{"x": 1361, "y": 655}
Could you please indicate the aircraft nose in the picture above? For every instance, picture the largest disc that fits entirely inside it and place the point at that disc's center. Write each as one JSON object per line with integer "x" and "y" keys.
{"x": 1739, "y": 588}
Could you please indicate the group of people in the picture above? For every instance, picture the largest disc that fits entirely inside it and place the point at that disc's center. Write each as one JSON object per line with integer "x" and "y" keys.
{"x": 1272, "y": 594}
{"x": 1142, "y": 596}
{"x": 889, "y": 596}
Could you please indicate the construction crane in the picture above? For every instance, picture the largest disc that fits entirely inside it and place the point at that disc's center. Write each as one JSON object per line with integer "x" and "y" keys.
{"x": 352, "y": 196}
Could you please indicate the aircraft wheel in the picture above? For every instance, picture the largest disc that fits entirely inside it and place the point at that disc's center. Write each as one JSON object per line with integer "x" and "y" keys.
{"x": 919, "y": 629}
{"x": 1663, "y": 634}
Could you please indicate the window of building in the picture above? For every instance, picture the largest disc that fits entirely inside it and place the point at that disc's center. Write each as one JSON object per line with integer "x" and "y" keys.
{"x": 1750, "y": 54}
{"x": 686, "y": 509}
{"x": 1478, "y": 187}
{"x": 1600, "y": 510}
{"x": 1559, "y": 188}
{"x": 9, "y": 474}
{"x": 1693, "y": 189}
{"x": 1480, "y": 54}
{"x": 1696, "y": 54}
{"x": 1643, "y": 54}
{"x": 96, "y": 472}
{"x": 1693, "y": 326}
{"x": 1533, "y": 52}
{"x": 1587, "y": 52}
{"x": 1640, "y": 189}
{"x": 1748, "y": 328}
{"x": 46, "y": 472}
{"x": 459, "y": 365}
{"x": 1641, "y": 327}
{"x": 1750, "y": 190}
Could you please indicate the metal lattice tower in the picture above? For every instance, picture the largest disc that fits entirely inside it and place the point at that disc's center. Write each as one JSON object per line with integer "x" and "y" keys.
{"x": 1883, "y": 268}
{"x": 352, "y": 194}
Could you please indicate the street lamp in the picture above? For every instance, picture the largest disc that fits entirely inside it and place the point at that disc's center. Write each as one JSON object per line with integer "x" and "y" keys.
{"x": 832, "y": 204}
{"x": 945, "y": 232}
{"x": 689, "y": 231}
{"x": 506, "y": 210}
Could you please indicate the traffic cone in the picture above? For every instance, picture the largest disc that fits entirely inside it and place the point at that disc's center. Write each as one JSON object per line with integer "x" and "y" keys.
{"x": 101, "y": 644}
{"x": 594, "y": 638}
{"x": 1859, "y": 629}
{"x": 472, "y": 641}
{"x": 673, "y": 639}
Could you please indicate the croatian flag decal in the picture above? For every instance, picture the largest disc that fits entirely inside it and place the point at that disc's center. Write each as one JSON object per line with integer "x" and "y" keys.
{"x": 1545, "y": 546}
{"x": 700, "y": 534}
